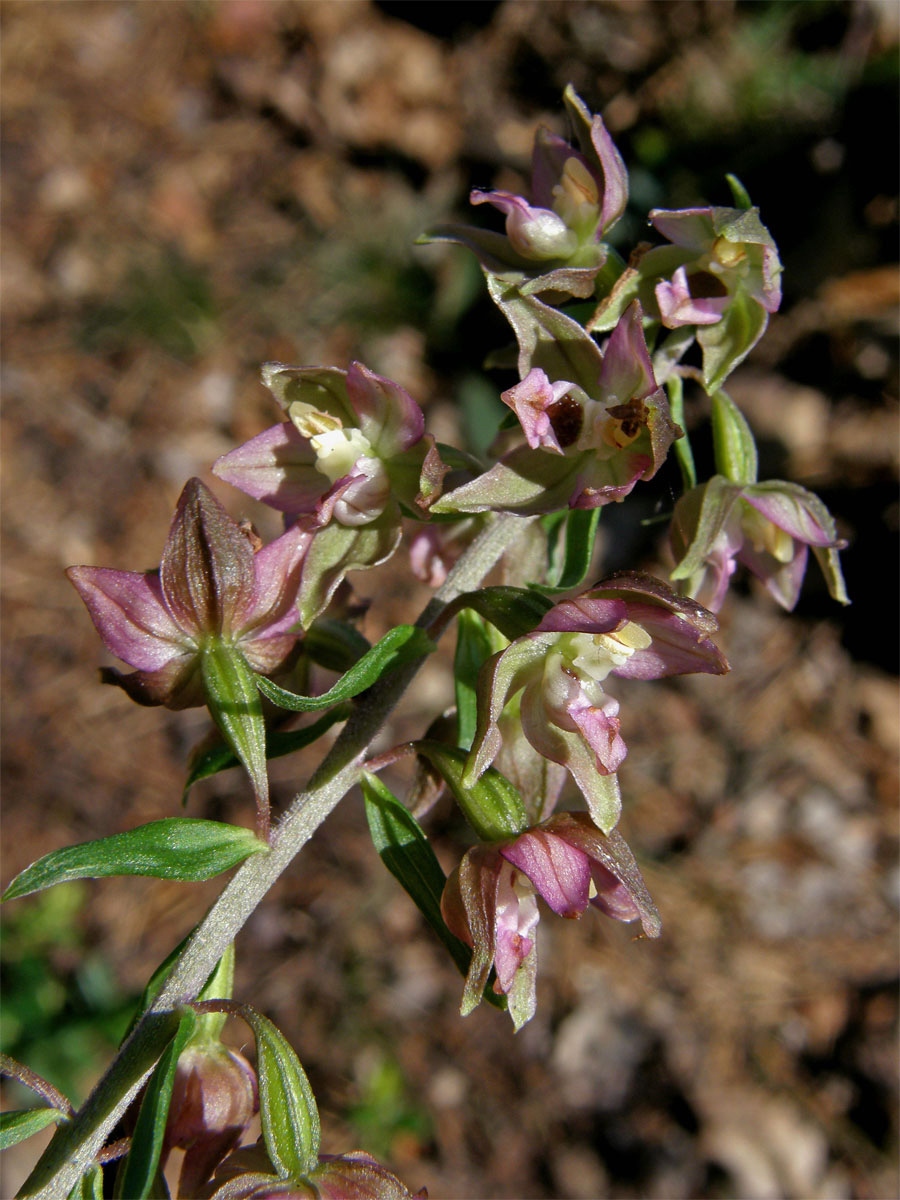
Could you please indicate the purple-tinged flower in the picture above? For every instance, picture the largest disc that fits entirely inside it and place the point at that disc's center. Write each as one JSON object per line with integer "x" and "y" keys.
{"x": 767, "y": 527}
{"x": 195, "y": 630}
{"x": 353, "y": 442}
{"x": 352, "y": 450}
{"x": 554, "y": 241}
{"x": 490, "y": 901}
{"x": 721, "y": 273}
{"x": 589, "y": 440}
{"x": 211, "y": 589}
{"x": 630, "y": 625}
{"x": 214, "y": 1098}
{"x": 248, "y": 1174}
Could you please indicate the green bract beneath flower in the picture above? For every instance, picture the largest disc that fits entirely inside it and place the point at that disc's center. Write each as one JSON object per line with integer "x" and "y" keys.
{"x": 632, "y": 625}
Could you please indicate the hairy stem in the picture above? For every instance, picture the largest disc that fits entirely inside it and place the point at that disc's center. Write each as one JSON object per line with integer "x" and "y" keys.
{"x": 76, "y": 1145}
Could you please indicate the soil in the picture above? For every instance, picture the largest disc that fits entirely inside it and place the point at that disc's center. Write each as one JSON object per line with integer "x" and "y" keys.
{"x": 192, "y": 189}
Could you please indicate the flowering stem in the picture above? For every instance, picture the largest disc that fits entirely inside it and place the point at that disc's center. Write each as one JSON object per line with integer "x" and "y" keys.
{"x": 76, "y": 1145}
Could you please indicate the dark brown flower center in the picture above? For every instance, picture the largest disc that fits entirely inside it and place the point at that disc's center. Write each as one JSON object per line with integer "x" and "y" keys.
{"x": 566, "y": 419}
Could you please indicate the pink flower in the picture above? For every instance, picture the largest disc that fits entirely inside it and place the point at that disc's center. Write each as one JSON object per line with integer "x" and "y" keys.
{"x": 490, "y": 901}
{"x": 590, "y": 439}
{"x": 630, "y": 625}
{"x": 212, "y": 587}
{"x": 767, "y": 527}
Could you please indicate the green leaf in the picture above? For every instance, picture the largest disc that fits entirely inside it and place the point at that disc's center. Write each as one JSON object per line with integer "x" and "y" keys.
{"x": 734, "y": 446}
{"x": 492, "y": 806}
{"x": 334, "y": 644}
{"x": 682, "y": 446}
{"x": 235, "y": 706}
{"x": 279, "y": 742}
{"x": 138, "y": 1173}
{"x": 287, "y": 1107}
{"x": 182, "y": 848}
{"x": 401, "y": 645}
{"x": 578, "y": 549}
{"x": 406, "y": 852}
{"x": 514, "y": 611}
{"x": 473, "y": 647}
{"x": 739, "y": 193}
{"x": 24, "y": 1122}
{"x": 90, "y": 1185}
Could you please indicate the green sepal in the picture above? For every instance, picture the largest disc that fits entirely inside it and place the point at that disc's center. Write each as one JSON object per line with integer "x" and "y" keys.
{"x": 234, "y": 704}
{"x": 181, "y": 848}
{"x": 287, "y": 1107}
{"x": 514, "y": 611}
{"x": 730, "y": 340}
{"x": 337, "y": 549}
{"x": 682, "y": 445}
{"x": 403, "y": 644}
{"x": 279, "y": 742}
{"x": 404, "y": 849}
{"x": 136, "y": 1178}
{"x": 577, "y": 550}
{"x": 706, "y": 510}
{"x": 16, "y": 1126}
{"x": 734, "y": 446}
{"x": 491, "y": 805}
{"x": 474, "y": 646}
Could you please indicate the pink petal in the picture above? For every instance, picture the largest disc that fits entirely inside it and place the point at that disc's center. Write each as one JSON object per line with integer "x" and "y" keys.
{"x": 627, "y": 372}
{"x": 388, "y": 416}
{"x": 560, "y": 873}
{"x": 677, "y": 307}
{"x": 689, "y": 227}
{"x": 536, "y": 233}
{"x": 550, "y": 418}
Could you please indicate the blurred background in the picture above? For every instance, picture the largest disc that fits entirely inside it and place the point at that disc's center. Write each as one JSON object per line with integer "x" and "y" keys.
{"x": 191, "y": 189}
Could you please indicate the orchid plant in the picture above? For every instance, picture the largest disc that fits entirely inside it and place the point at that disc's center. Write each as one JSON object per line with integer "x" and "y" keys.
{"x": 534, "y": 742}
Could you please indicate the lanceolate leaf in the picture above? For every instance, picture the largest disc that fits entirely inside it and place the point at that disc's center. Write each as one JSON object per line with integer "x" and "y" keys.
{"x": 90, "y": 1186}
{"x": 17, "y": 1126}
{"x": 181, "y": 848}
{"x": 514, "y": 611}
{"x": 287, "y": 1107}
{"x": 236, "y": 708}
{"x": 402, "y": 645}
{"x": 406, "y": 852}
{"x": 335, "y": 644}
{"x": 138, "y": 1173}
{"x": 279, "y": 742}
{"x": 578, "y": 549}
{"x": 473, "y": 647}
{"x": 733, "y": 442}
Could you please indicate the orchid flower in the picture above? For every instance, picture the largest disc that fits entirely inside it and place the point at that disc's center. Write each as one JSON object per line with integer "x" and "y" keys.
{"x": 490, "y": 900}
{"x": 767, "y": 527}
{"x": 248, "y": 1174}
{"x": 630, "y": 625}
{"x": 352, "y": 450}
{"x": 589, "y": 439}
{"x": 218, "y": 609}
{"x": 721, "y": 273}
{"x": 554, "y": 241}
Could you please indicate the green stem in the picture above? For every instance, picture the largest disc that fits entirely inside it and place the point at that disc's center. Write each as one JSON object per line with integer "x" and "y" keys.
{"x": 77, "y": 1144}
